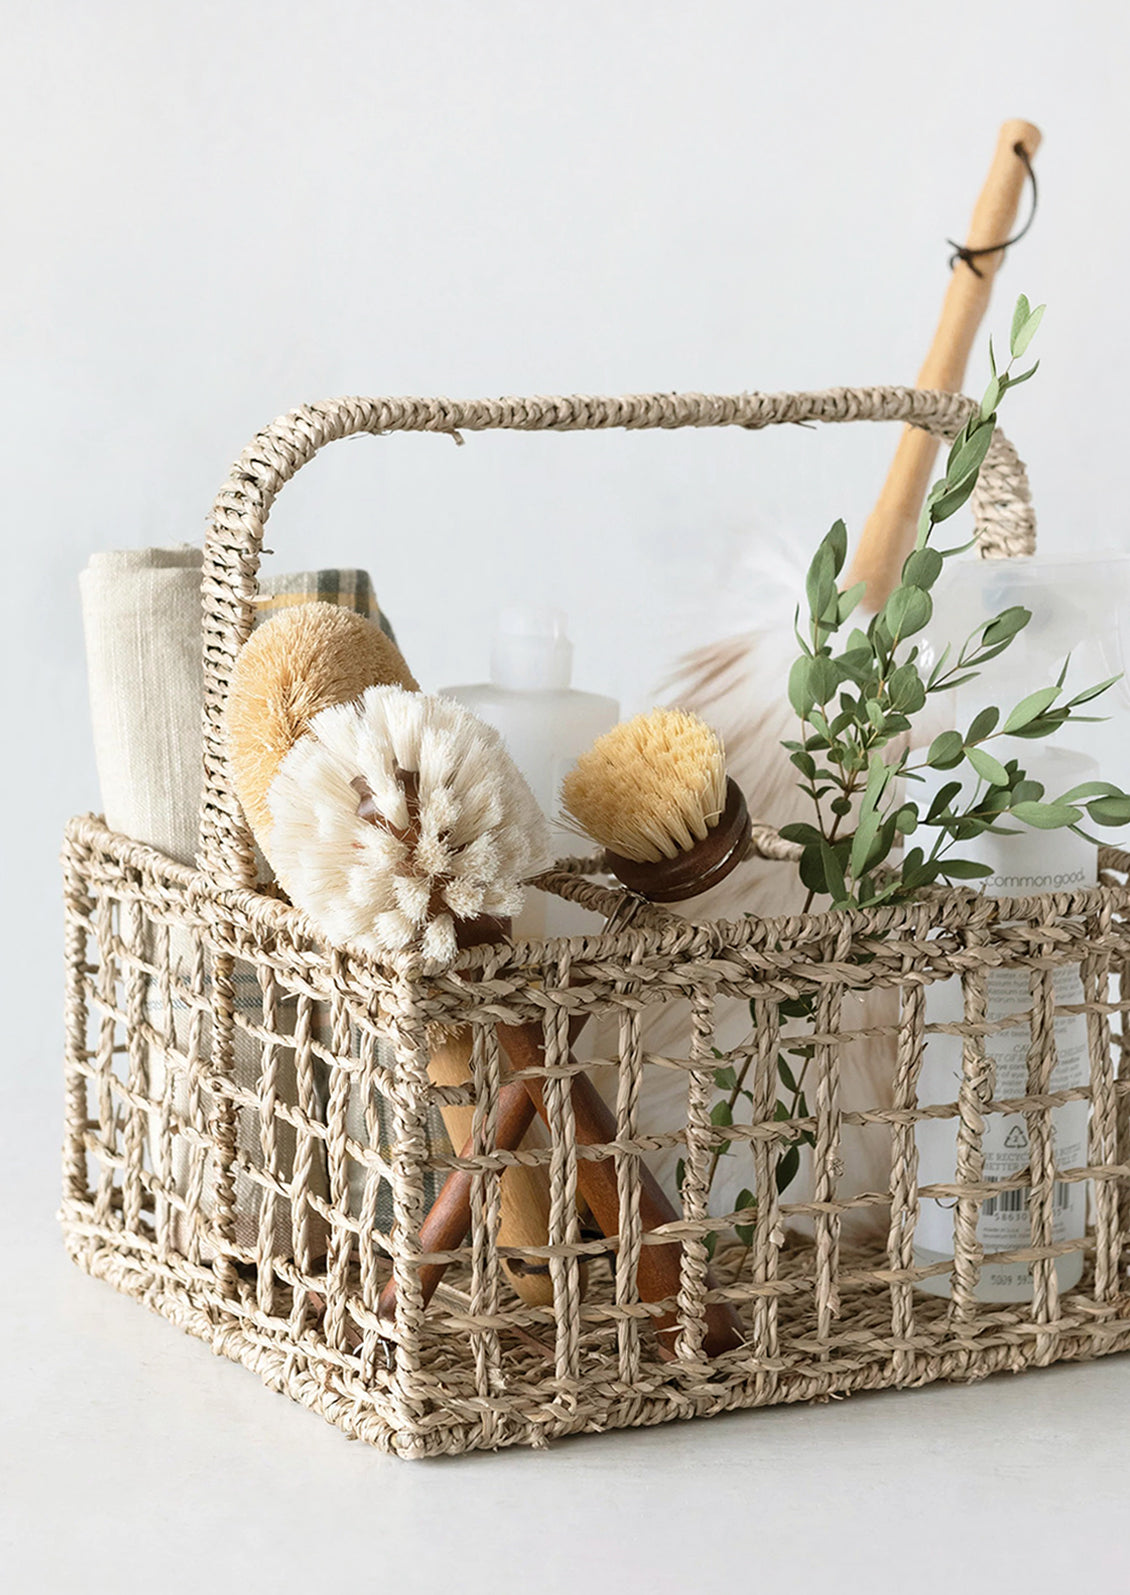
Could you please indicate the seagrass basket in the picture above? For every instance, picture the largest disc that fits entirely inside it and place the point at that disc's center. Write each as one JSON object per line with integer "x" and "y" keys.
{"x": 247, "y": 1107}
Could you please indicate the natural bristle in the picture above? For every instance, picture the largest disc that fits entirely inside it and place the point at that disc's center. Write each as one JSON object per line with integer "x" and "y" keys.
{"x": 400, "y": 817}
{"x": 651, "y": 788}
{"x": 306, "y": 659}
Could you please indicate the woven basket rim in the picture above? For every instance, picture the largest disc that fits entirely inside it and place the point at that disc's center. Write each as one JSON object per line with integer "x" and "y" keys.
{"x": 271, "y": 914}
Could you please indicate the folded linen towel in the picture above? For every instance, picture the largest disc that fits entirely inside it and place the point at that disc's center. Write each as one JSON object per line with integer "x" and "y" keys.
{"x": 142, "y": 620}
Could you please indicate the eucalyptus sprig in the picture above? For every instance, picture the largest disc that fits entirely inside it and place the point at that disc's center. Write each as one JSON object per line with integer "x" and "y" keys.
{"x": 857, "y": 706}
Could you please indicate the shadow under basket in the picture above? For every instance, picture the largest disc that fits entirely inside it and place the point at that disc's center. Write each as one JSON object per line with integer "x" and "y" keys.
{"x": 249, "y": 1115}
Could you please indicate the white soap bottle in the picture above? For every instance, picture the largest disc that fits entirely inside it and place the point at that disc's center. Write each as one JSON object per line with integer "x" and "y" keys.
{"x": 1078, "y": 608}
{"x": 546, "y": 725}
{"x": 1030, "y": 862}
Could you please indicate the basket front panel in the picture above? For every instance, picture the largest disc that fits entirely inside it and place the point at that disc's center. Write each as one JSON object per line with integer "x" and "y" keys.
{"x": 253, "y": 1142}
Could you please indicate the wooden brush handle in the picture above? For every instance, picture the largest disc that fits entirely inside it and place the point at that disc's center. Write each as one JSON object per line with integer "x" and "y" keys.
{"x": 658, "y": 1273}
{"x": 449, "y": 1217}
{"x": 524, "y": 1193}
{"x": 659, "y": 1268}
{"x": 889, "y": 533}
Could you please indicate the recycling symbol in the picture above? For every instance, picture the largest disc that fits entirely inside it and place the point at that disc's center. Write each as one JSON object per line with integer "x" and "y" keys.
{"x": 1016, "y": 1139}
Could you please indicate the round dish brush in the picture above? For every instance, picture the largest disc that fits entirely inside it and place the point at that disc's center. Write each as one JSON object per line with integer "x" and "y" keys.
{"x": 333, "y": 760}
{"x": 655, "y": 789}
{"x": 308, "y": 658}
{"x": 655, "y": 794}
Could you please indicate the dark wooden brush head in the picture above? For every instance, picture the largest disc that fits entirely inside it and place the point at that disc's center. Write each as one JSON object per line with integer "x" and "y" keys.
{"x": 673, "y": 880}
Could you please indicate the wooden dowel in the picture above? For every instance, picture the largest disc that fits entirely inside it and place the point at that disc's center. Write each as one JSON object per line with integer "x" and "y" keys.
{"x": 659, "y": 1269}
{"x": 889, "y": 533}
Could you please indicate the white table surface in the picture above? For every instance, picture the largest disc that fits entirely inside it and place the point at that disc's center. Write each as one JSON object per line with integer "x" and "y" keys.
{"x": 133, "y": 1459}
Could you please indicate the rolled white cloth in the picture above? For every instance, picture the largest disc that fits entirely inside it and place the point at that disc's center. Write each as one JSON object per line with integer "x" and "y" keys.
{"x": 142, "y": 620}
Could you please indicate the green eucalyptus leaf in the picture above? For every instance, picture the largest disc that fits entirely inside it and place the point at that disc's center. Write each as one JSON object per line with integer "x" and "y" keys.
{"x": 906, "y": 611}
{"x": 1110, "y": 810}
{"x": 922, "y": 568}
{"x": 1027, "y": 791}
{"x": 942, "y": 799}
{"x": 802, "y": 692}
{"x": 811, "y": 869}
{"x": 906, "y": 820}
{"x": 837, "y": 542}
{"x": 1005, "y": 626}
{"x": 1030, "y": 708}
{"x": 801, "y": 831}
{"x": 982, "y": 725}
{"x": 1046, "y": 816}
{"x": 958, "y": 548}
{"x": 849, "y": 601}
{"x": 1092, "y": 692}
{"x": 906, "y": 689}
{"x": 1022, "y": 336}
{"x": 988, "y": 768}
{"x": 946, "y": 751}
{"x": 963, "y": 869}
{"x": 1025, "y": 376}
{"x": 970, "y": 456}
{"x": 833, "y": 873}
{"x": 1020, "y": 315}
{"x": 787, "y": 1169}
{"x": 949, "y": 502}
{"x": 1090, "y": 789}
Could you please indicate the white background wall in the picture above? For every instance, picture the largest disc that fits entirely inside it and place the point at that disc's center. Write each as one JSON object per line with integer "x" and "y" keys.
{"x": 214, "y": 210}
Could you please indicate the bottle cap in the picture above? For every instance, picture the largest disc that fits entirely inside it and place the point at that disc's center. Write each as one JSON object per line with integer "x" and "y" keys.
{"x": 531, "y": 651}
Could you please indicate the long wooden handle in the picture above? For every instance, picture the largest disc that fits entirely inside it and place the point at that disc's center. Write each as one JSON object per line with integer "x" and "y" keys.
{"x": 659, "y": 1269}
{"x": 660, "y": 1266}
{"x": 449, "y": 1217}
{"x": 524, "y": 1193}
{"x": 889, "y": 534}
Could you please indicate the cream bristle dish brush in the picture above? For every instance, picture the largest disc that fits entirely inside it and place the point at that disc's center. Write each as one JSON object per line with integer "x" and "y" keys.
{"x": 654, "y": 793}
{"x": 399, "y": 816}
{"x": 385, "y": 817}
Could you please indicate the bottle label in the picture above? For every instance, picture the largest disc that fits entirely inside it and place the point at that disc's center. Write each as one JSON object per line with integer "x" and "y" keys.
{"x": 1004, "y": 1223}
{"x": 1023, "y": 864}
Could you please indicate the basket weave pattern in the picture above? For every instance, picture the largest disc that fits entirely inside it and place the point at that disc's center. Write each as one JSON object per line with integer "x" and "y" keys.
{"x": 170, "y": 969}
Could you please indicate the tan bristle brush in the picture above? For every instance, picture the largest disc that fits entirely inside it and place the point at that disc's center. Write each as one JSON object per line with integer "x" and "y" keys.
{"x": 295, "y": 712}
{"x": 654, "y": 792}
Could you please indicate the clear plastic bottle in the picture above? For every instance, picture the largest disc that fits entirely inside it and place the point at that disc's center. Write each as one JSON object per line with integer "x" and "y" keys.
{"x": 546, "y": 725}
{"x": 1023, "y": 865}
{"x": 1079, "y": 609}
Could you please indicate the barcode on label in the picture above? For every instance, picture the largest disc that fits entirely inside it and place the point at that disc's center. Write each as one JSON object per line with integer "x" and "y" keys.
{"x": 1018, "y": 1201}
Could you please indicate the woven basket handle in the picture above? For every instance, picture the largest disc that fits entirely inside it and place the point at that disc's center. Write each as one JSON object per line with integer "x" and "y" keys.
{"x": 1002, "y": 510}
